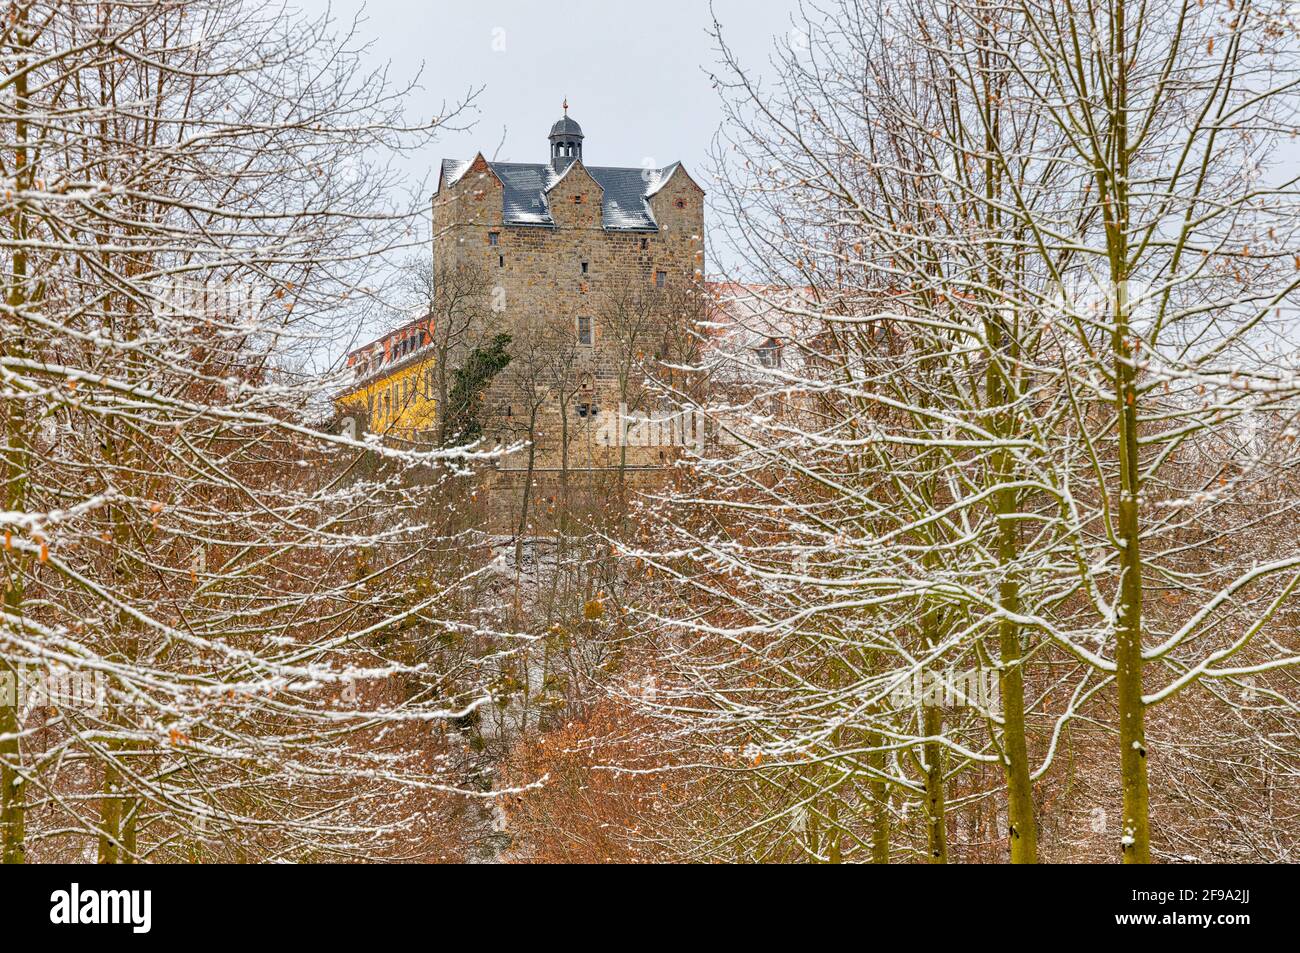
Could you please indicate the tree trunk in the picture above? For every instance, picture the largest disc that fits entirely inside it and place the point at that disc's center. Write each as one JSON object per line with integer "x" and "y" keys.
{"x": 1128, "y": 637}
{"x": 528, "y": 487}
{"x": 12, "y": 834}
{"x": 1022, "y": 831}
{"x": 17, "y": 459}
{"x": 110, "y": 814}
{"x": 936, "y": 826}
{"x": 1136, "y": 842}
{"x": 878, "y": 790}
{"x": 933, "y": 750}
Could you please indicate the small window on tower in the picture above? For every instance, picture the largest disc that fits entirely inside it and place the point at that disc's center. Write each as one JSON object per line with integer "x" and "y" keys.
{"x": 577, "y": 199}
{"x": 501, "y": 261}
{"x": 494, "y": 238}
{"x": 584, "y": 331}
{"x": 661, "y": 279}
{"x": 645, "y": 243}
{"x": 680, "y": 203}
{"x": 584, "y": 267}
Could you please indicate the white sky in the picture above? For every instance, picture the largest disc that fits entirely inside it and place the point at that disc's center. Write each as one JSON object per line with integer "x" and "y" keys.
{"x": 635, "y": 75}
{"x": 633, "y": 72}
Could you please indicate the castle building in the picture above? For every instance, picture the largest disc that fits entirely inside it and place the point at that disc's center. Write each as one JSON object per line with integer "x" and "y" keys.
{"x": 392, "y": 379}
{"x": 586, "y": 267}
{"x": 568, "y": 244}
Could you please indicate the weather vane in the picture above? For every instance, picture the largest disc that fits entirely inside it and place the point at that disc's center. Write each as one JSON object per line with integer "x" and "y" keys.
{"x": 566, "y": 105}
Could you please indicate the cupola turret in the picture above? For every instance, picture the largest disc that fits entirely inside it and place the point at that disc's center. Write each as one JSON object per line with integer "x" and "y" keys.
{"x": 566, "y": 141}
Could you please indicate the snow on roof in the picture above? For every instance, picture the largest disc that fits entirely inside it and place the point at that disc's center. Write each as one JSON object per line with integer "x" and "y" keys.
{"x": 390, "y": 351}
{"x": 627, "y": 191}
{"x": 747, "y": 327}
{"x": 750, "y": 315}
{"x": 658, "y": 178}
{"x": 453, "y": 169}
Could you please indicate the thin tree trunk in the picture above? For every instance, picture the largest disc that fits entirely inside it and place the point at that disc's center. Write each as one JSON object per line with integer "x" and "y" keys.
{"x": 1002, "y": 391}
{"x": 12, "y": 795}
{"x": 935, "y": 806}
{"x": 933, "y": 750}
{"x": 1136, "y": 841}
{"x": 528, "y": 486}
{"x": 1128, "y": 645}
{"x": 17, "y": 459}
{"x": 110, "y": 814}
{"x": 878, "y": 791}
{"x": 1022, "y": 832}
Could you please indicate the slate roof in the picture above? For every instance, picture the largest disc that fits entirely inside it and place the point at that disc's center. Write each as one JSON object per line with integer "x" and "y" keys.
{"x": 566, "y": 127}
{"x": 626, "y": 190}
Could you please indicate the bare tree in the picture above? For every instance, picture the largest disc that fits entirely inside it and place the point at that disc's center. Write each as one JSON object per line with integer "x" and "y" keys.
{"x": 458, "y": 300}
{"x": 1020, "y": 378}
{"x": 192, "y": 193}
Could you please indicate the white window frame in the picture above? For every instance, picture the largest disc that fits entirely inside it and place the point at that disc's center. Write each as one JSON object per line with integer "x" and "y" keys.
{"x": 769, "y": 354}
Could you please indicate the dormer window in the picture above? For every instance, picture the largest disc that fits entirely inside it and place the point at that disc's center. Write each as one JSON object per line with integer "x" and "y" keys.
{"x": 769, "y": 353}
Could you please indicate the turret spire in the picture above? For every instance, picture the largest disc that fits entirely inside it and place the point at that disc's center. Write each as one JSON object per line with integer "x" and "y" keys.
{"x": 566, "y": 141}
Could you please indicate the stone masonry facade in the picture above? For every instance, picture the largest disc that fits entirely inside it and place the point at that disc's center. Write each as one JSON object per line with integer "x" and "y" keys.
{"x": 560, "y": 244}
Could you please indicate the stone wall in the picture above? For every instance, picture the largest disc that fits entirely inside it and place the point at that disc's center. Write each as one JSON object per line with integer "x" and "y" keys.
{"x": 538, "y": 282}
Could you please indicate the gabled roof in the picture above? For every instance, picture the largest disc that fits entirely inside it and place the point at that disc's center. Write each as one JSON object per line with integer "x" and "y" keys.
{"x": 661, "y": 177}
{"x": 626, "y": 200}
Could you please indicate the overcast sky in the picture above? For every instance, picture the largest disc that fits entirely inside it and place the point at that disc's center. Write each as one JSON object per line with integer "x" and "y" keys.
{"x": 634, "y": 73}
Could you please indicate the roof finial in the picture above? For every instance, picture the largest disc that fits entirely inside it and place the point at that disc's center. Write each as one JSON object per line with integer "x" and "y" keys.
{"x": 566, "y": 105}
